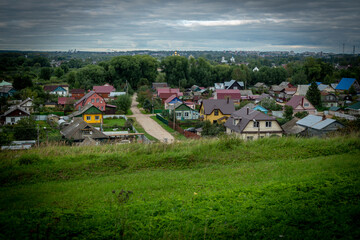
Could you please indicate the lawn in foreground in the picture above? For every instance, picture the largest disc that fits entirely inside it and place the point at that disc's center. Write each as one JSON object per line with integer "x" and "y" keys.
{"x": 294, "y": 196}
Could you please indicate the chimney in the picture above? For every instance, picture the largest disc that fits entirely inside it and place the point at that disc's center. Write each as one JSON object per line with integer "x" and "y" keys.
{"x": 323, "y": 117}
{"x": 247, "y": 111}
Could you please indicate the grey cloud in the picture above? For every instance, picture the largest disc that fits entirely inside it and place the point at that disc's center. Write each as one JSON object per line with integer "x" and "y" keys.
{"x": 268, "y": 25}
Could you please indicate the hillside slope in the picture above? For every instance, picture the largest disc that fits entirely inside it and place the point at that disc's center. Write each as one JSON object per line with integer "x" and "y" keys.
{"x": 213, "y": 189}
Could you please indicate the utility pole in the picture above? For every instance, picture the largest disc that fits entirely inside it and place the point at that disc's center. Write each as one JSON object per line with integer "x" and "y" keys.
{"x": 174, "y": 117}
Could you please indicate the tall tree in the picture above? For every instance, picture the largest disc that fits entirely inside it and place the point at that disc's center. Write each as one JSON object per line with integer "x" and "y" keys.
{"x": 313, "y": 95}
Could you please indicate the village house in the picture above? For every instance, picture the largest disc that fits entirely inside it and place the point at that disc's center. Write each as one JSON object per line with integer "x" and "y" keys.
{"x": 219, "y": 86}
{"x": 318, "y": 126}
{"x": 104, "y": 91}
{"x": 354, "y": 109}
{"x": 171, "y": 101}
{"x": 301, "y": 104}
{"x": 79, "y": 130}
{"x": 14, "y": 114}
{"x": 346, "y": 83}
{"x": 233, "y": 84}
{"x": 62, "y": 101}
{"x": 93, "y": 98}
{"x": 27, "y": 105}
{"x": 302, "y": 90}
{"x": 157, "y": 85}
{"x": 261, "y": 86}
{"x": 89, "y": 113}
{"x": 184, "y": 112}
{"x": 6, "y": 89}
{"x": 251, "y": 124}
{"x": 60, "y": 90}
{"x": 165, "y": 93}
{"x": 329, "y": 99}
{"x": 232, "y": 94}
{"x": 77, "y": 93}
{"x": 216, "y": 110}
{"x": 291, "y": 128}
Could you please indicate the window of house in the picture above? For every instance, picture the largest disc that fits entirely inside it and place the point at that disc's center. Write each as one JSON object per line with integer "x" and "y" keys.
{"x": 249, "y": 138}
{"x": 234, "y": 122}
{"x": 268, "y": 124}
{"x": 306, "y": 104}
{"x": 102, "y": 108}
{"x": 97, "y": 100}
{"x": 215, "y": 121}
{"x": 88, "y": 118}
{"x": 92, "y": 100}
{"x": 186, "y": 114}
{"x": 12, "y": 120}
{"x": 235, "y": 87}
{"x": 178, "y": 114}
{"x": 216, "y": 112}
{"x": 97, "y": 118}
{"x": 256, "y": 124}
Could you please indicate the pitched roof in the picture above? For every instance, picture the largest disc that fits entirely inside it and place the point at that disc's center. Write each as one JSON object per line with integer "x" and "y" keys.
{"x": 309, "y": 120}
{"x": 63, "y": 100}
{"x": 77, "y": 91}
{"x": 246, "y": 92}
{"x": 50, "y": 88}
{"x": 333, "y": 108}
{"x": 170, "y": 98}
{"x": 302, "y": 90}
{"x": 277, "y": 88}
{"x": 74, "y": 130}
{"x": 86, "y": 96}
{"x": 13, "y": 108}
{"x": 260, "y": 84}
{"x": 355, "y": 106}
{"x": 295, "y": 101}
{"x": 104, "y": 89}
{"x": 245, "y": 115}
{"x": 84, "y": 109}
{"x": 226, "y": 107}
{"x": 292, "y": 128}
{"x": 231, "y": 82}
{"x": 224, "y": 93}
{"x": 25, "y": 101}
{"x": 345, "y": 83}
{"x": 115, "y": 94}
{"x": 4, "y": 83}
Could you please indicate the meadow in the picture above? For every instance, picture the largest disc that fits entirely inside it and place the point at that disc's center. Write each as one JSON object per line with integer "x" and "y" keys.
{"x": 287, "y": 188}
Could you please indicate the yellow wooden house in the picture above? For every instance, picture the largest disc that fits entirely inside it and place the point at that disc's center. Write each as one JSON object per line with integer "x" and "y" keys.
{"x": 216, "y": 110}
{"x": 89, "y": 114}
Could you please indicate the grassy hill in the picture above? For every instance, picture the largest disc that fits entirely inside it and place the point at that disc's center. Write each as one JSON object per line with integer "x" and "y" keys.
{"x": 284, "y": 188}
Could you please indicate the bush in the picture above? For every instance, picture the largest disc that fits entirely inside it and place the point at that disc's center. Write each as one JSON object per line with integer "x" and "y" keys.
{"x": 301, "y": 114}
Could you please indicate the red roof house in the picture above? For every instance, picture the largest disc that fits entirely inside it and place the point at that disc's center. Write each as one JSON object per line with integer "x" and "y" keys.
{"x": 77, "y": 93}
{"x": 104, "y": 90}
{"x": 301, "y": 104}
{"x": 233, "y": 94}
{"x": 165, "y": 93}
{"x": 65, "y": 100}
{"x": 93, "y": 98}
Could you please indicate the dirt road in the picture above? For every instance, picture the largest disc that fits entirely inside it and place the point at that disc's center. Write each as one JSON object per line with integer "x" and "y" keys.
{"x": 149, "y": 125}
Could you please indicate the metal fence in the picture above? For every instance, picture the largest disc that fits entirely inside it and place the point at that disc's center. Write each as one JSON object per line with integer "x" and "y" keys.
{"x": 346, "y": 116}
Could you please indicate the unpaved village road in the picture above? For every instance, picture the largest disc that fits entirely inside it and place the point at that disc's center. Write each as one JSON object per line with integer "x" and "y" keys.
{"x": 149, "y": 125}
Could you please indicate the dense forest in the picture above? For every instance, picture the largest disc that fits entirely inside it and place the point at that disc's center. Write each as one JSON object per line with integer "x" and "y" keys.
{"x": 28, "y": 71}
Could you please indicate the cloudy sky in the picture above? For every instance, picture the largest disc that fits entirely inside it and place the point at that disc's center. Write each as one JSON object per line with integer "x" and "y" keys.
{"x": 107, "y": 25}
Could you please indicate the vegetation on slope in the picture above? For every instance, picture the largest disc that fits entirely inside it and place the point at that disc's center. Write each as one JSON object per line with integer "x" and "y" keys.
{"x": 288, "y": 188}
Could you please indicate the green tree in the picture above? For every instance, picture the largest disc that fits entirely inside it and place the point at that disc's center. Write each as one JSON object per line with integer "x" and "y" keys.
{"x": 45, "y": 73}
{"x": 22, "y": 81}
{"x": 288, "y": 113}
{"x": 175, "y": 69}
{"x": 313, "y": 95}
{"x": 352, "y": 90}
{"x": 59, "y": 72}
{"x": 123, "y": 103}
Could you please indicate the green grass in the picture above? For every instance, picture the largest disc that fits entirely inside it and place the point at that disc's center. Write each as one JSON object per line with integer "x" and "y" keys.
{"x": 174, "y": 133}
{"x": 211, "y": 189}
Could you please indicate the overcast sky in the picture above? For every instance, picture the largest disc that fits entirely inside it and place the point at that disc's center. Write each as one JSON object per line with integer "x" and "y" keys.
{"x": 180, "y": 25}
